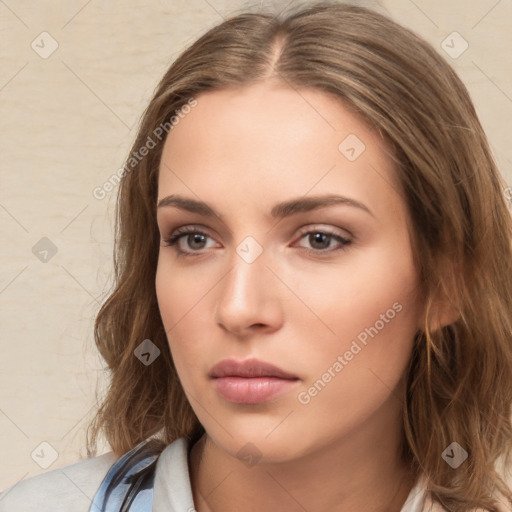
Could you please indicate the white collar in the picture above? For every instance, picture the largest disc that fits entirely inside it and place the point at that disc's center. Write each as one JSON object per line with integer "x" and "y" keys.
{"x": 173, "y": 491}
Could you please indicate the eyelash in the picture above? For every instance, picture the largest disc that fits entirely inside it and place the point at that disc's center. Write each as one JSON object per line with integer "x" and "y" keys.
{"x": 173, "y": 240}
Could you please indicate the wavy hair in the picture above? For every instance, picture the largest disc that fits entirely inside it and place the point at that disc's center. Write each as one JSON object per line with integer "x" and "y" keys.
{"x": 459, "y": 381}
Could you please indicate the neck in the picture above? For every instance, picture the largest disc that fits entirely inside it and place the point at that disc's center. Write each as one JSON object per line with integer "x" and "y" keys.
{"x": 362, "y": 471}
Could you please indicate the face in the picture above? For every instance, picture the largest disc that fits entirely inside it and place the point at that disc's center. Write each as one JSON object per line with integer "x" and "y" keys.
{"x": 326, "y": 291}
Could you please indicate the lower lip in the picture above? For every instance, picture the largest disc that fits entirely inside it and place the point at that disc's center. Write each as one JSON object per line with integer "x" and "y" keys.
{"x": 252, "y": 390}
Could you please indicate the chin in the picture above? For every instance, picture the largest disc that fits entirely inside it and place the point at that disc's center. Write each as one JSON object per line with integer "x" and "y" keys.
{"x": 254, "y": 444}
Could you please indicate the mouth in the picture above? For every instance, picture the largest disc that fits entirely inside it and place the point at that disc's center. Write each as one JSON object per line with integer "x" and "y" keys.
{"x": 248, "y": 369}
{"x": 251, "y": 381}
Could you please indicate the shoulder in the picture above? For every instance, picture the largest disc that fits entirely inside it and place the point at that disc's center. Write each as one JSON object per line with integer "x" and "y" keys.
{"x": 502, "y": 504}
{"x": 420, "y": 498}
{"x": 70, "y": 488}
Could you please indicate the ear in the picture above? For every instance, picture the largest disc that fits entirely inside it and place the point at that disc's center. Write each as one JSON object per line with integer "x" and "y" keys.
{"x": 444, "y": 309}
{"x": 444, "y": 312}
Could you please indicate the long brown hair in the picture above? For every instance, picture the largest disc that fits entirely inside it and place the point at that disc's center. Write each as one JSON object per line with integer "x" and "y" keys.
{"x": 459, "y": 382}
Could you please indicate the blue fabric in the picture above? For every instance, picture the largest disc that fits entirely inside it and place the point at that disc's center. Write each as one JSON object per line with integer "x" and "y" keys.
{"x": 128, "y": 485}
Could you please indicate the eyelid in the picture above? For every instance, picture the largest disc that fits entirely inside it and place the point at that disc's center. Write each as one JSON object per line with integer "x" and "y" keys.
{"x": 301, "y": 230}
{"x": 327, "y": 230}
{"x": 193, "y": 228}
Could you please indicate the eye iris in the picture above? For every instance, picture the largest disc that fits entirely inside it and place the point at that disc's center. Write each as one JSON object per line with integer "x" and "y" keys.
{"x": 196, "y": 237}
{"x": 317, "y": 237}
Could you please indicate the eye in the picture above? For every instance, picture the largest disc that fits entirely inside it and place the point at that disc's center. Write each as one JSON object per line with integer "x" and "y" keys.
{"x": 194, "y": 237}
{"x": 196, "y": 240}
{"x": 320, "y": 240}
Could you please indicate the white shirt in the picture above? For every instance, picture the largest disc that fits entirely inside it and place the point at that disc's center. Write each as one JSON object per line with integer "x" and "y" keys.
{"x": 71, "y": 488}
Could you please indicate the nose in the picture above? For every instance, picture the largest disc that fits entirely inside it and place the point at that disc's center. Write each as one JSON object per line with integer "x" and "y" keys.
{"x": 248, "y": 298}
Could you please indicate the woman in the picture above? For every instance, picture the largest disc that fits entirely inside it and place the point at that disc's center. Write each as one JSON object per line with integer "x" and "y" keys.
{"x": 339, "y": 339}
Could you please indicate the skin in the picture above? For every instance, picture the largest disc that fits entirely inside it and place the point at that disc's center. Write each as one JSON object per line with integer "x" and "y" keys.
{"x": 242, "y": 151}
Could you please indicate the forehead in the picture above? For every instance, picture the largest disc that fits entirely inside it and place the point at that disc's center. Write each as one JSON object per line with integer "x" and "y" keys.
{"x": 269, "y": 141}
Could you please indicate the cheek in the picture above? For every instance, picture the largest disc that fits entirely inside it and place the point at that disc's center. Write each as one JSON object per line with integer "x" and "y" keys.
{"x": 174, "y": 296}
{"x": 352, "y": 296}
{"x": 366, "y": 308}
{"x": 179, "y": 291}
{"x": 181, "y": 296}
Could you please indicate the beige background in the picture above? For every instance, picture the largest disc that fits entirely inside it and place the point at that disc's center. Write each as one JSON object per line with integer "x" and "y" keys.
{"x": 67, "y": 123}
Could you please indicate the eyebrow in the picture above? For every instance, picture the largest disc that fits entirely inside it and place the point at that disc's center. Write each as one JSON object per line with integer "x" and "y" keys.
{"x": 279, "y": 211}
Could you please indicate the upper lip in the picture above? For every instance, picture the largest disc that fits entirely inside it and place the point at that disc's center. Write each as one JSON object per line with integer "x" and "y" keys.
{"x": 248, "y": 368}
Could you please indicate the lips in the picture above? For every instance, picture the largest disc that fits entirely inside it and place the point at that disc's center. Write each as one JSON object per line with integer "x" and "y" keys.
{"x": 250, "y": 382}
{"x": 250, "y": 368}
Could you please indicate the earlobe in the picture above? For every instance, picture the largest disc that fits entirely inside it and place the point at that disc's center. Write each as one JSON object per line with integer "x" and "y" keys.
{"x": 443, "y": 311}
